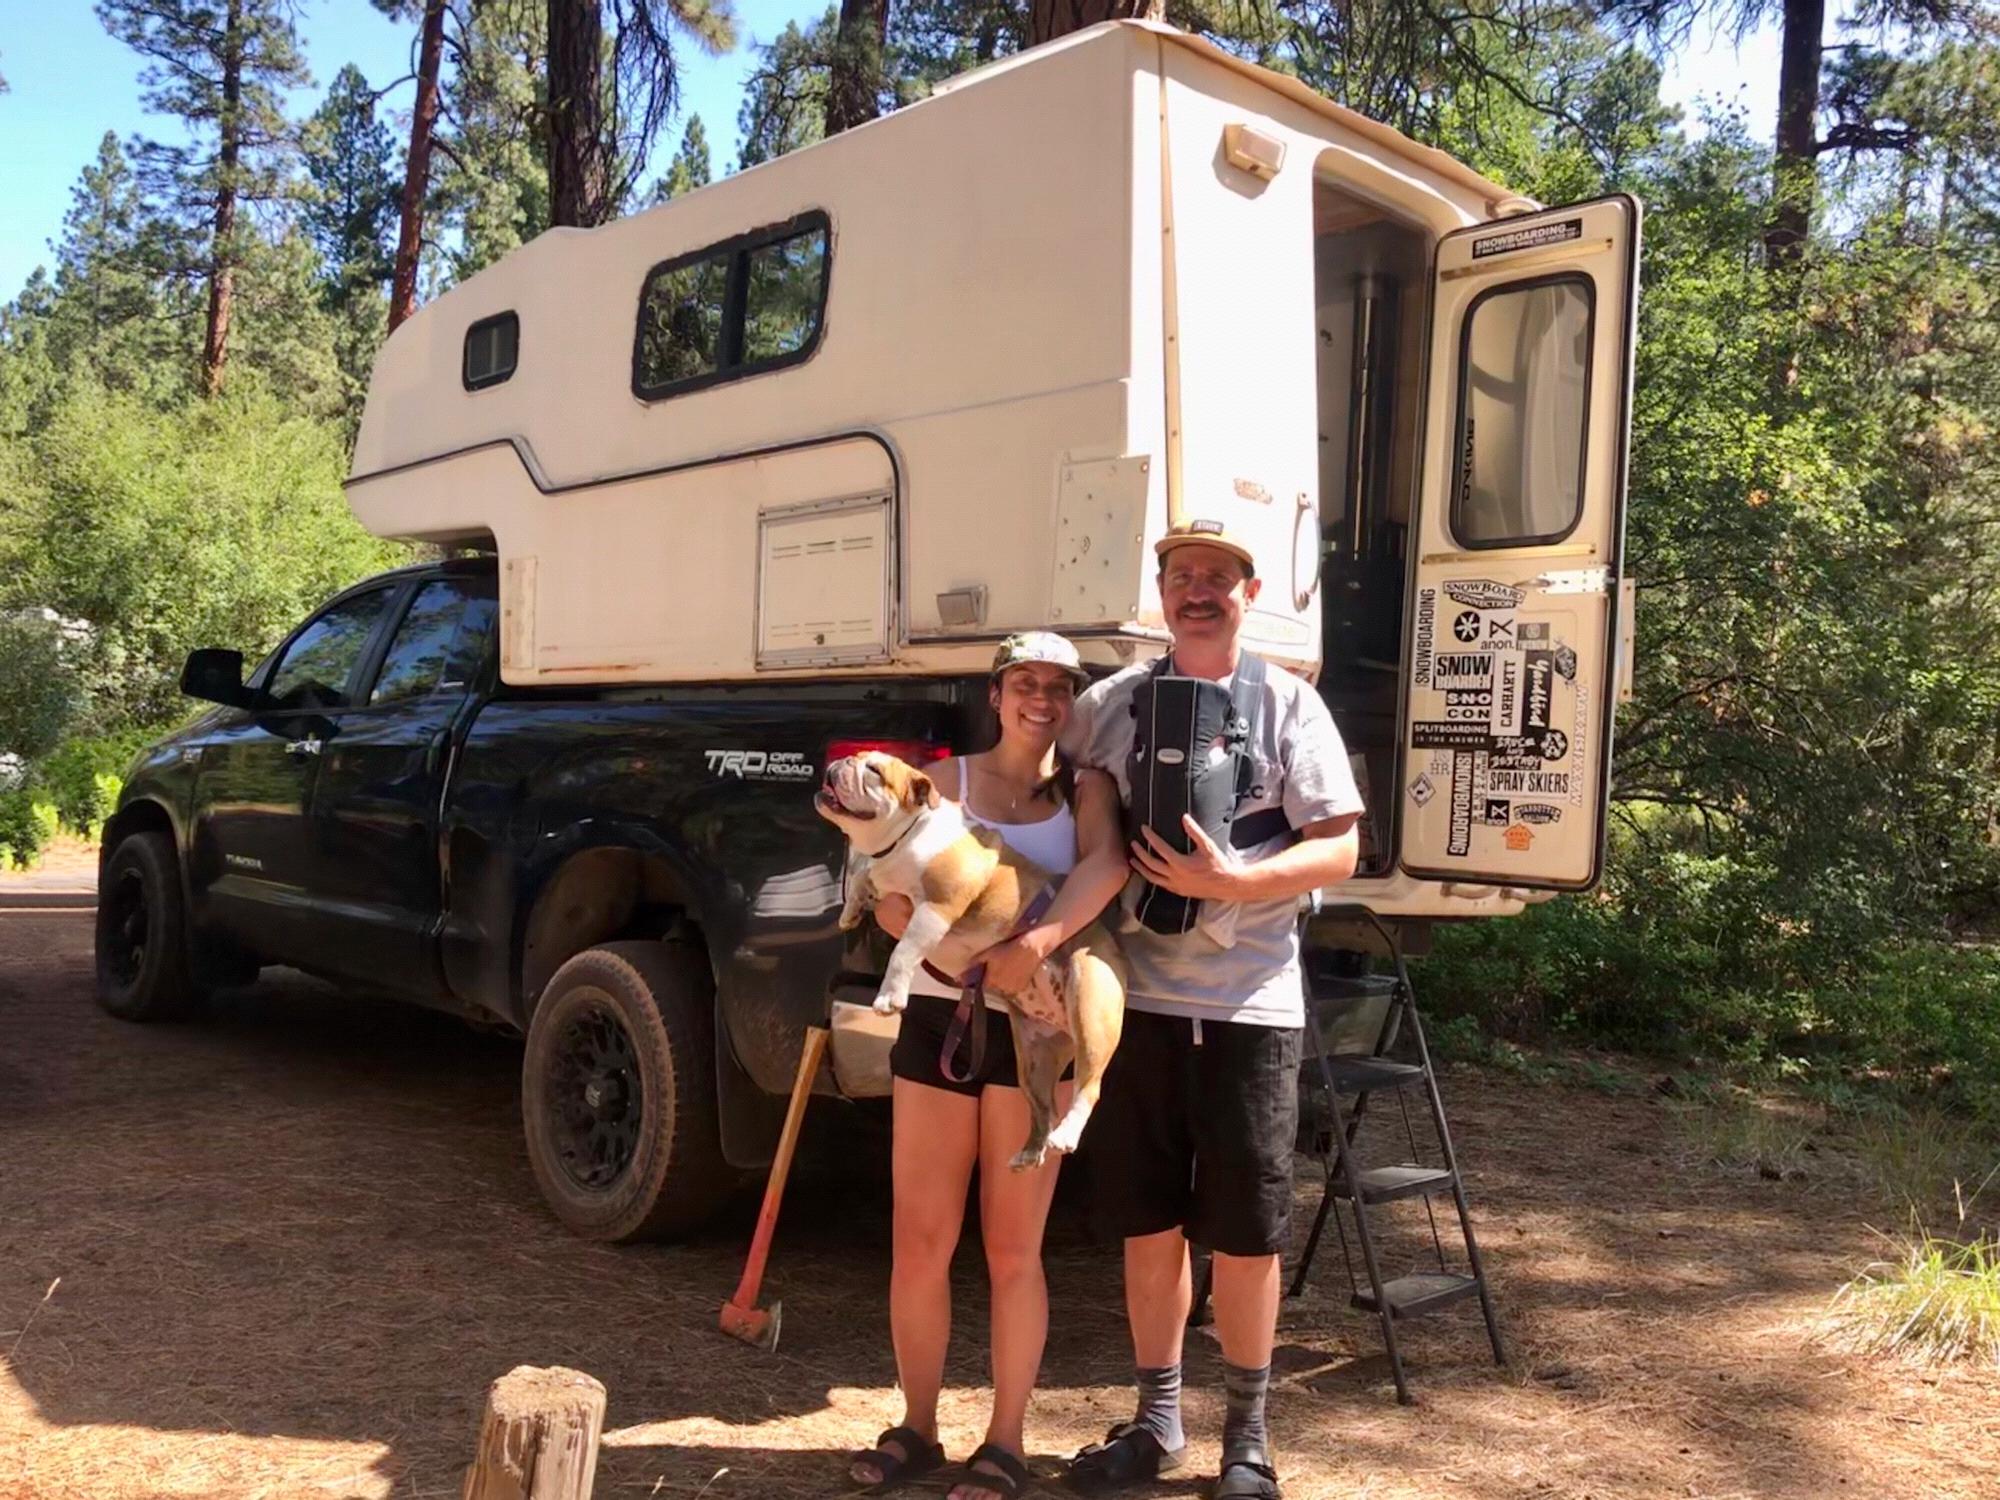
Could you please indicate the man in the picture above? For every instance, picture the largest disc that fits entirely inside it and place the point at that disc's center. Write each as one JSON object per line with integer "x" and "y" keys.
{"x": 1194, "y": 1131}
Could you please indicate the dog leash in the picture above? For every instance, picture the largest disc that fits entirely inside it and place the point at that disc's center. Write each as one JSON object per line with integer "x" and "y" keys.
{"x": 972, "y": 1001}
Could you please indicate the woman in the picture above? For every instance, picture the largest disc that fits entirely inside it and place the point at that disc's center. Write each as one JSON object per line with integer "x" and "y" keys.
{"x": 1068, "y": 824}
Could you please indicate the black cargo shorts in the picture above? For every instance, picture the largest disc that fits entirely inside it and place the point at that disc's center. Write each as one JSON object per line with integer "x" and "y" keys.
{"x": 1194, "y": 1130}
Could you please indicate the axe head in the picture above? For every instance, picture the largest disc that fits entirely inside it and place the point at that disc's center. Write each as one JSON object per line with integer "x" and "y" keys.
{"x": 755, "y": 1326}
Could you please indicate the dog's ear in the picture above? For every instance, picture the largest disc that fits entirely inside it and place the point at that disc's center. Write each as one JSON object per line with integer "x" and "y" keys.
{"x": 920, "y": 791}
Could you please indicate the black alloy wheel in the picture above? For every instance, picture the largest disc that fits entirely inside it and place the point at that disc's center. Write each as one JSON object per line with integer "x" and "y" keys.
{"x": 618, "y": 1098}
{"x": 596, "y": 1099}
{"x": 143, "y": 973}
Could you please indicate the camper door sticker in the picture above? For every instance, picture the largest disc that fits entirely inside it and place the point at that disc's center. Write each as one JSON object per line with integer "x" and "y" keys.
{"x": 1498, "y": 707}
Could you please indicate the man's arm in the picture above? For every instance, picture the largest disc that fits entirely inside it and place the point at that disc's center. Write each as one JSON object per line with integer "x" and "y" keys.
{"x": 1325, "y": 854}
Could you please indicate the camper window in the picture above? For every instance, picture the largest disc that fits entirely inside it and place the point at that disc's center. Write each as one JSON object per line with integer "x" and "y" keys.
{"x": 492, "y": 347}
{"x": 1524, "y": 368}
{"x": 748, "y": 305}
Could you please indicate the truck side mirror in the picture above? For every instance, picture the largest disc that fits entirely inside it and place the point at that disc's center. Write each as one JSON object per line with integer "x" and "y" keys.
{"x": 217, "y": 676}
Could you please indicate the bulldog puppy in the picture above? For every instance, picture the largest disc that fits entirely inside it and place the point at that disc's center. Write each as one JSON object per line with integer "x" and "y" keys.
{"x": 969, "y": 891}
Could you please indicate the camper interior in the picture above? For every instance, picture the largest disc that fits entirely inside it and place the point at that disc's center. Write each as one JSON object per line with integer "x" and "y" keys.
{"x": 1371, "y": 276}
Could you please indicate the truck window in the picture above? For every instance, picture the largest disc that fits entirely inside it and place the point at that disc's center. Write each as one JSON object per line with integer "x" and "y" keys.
{"x": 440, "y": 642}
{"x": 1519, "y": 471}
{"x": 317, "y": 665}
{"x": 492, "y": 349}
{"x": 742, "y": 307}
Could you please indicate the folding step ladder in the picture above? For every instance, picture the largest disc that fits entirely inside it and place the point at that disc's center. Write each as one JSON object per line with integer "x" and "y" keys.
{"x": 1364, "y": 1039}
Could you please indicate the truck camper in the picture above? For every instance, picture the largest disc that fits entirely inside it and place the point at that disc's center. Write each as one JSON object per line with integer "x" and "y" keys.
{"x": 764, "y": 472}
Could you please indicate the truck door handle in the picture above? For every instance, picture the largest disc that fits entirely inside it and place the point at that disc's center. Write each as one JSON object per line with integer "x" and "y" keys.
{"x": 299, "y": 749}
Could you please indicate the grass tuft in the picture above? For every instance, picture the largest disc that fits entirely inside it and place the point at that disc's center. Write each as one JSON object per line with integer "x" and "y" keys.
{"x": 1938, "y": 1302}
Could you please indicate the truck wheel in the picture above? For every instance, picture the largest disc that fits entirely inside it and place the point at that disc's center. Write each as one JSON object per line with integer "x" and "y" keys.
{"x": 618, "y": 1092}
{"x": 142, "y": 955}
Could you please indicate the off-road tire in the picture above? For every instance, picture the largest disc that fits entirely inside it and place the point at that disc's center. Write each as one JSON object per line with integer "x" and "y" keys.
{"x": 661, "y": 997}
{"x": 143, "y": 970}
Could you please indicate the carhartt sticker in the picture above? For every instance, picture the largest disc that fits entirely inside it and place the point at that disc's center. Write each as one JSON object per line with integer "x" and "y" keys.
{"x": 1562, "y": 232}
{"x": 1483, "y": 593}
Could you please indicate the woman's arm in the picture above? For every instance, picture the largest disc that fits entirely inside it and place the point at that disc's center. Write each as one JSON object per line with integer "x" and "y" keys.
{"x": 1100, "y": 873}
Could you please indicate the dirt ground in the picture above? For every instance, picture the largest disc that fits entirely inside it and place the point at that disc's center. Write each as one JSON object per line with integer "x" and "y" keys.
{"x": 296, "y": 1238}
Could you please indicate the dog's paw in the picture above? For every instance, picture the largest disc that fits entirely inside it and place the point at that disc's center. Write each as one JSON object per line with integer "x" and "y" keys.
{"x": 889, "y": 1005}
{"x": 849, "y": 920}
{"x": 1068, "y": 1135}
{"x": 1028, "y": 1158}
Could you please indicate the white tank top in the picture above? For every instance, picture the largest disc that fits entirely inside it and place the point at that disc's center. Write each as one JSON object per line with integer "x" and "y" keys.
{"x": 1050, "y": 843}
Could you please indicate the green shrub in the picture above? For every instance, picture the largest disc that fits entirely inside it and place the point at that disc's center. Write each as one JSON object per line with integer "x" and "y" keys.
{"x": 1709, "y": 957}
{"x": 27, "y": 823}
{"x": 83, "y": 777}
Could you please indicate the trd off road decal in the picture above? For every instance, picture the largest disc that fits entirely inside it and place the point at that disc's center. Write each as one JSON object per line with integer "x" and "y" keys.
{"x": 761, "y": 765}
{"x": 1499, "y": 708}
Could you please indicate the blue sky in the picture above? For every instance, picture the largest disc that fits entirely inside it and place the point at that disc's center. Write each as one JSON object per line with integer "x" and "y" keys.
{"x": 70, "y": 82}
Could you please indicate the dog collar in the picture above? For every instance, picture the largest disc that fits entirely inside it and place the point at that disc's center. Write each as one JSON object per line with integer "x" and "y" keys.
{"x": 898, "y": 839}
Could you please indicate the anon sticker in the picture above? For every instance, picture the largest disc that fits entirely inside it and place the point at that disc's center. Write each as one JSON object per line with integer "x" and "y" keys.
{"x": 1506, "y": 243}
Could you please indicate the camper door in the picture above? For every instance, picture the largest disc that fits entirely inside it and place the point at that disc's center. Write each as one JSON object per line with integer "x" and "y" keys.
{"x": 1506, "y": 727}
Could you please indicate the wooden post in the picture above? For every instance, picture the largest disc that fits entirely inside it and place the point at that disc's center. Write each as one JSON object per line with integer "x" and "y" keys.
{"x": 538, "y": 1438}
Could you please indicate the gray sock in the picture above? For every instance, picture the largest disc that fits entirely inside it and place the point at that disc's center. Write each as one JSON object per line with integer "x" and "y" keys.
{"x": 1243, "y": 1423}
{"x": 1160, "y": 1404}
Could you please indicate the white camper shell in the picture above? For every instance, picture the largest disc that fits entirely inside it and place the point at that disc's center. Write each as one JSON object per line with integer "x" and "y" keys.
{"x": 866, "y": 408}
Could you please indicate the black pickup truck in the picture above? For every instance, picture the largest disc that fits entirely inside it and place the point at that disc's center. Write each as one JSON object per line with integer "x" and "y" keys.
{"x": 634, "y": 879}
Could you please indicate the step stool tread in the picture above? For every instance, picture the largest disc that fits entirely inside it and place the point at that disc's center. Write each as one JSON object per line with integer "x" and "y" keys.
{"x": 1418, "y": 1293}
{"x": 1386, "y": 1184}
{"x": 1355, "y": 1075}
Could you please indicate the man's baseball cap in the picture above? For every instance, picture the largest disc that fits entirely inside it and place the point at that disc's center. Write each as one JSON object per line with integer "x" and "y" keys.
{"x": 1040, "y": 645}
{"x": 1209, "y": 534}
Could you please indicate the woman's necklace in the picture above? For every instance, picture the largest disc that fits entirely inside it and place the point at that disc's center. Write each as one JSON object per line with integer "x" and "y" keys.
{"x": 1014, "y": 796}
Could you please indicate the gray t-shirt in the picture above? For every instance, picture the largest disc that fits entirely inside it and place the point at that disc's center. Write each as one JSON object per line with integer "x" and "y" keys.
{"x": 1241, "y": 963}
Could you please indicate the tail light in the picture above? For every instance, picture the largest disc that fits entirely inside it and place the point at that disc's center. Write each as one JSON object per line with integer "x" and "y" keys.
{"x": 913, "y": 752}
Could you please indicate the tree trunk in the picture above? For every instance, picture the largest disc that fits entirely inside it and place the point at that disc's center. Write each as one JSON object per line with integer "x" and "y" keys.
{"x": 222, "y": 249}
{"x": 1793, "y": 185}
{"x": 1049, "y": 19}
{"x": 579, "y": 173}
{"x": 417, "y": 166}
{"x": 854, "y": 91}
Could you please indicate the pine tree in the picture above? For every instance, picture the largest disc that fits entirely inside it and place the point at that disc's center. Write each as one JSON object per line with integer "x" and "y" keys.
{"x": 350, "y": 162}
{"x": 415, "y": 201}
{"x": 349, "y": 159}
{"x": 219, "y": 65}
{"x": 493, "y": 188}
{"x": 690, "y": 167}
{"x": 784, "y": 101}
{"x": 858, "y": 73}
{"x": 602, "y": 125}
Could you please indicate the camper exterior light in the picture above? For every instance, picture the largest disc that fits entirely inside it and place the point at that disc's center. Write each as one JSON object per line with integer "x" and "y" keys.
{"x": 1262, "y": 156}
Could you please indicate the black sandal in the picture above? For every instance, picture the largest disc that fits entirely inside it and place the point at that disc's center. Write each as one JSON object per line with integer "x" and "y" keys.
{"x": 1008, "y": 1478}
{"x": 920, "y": 1456}
{"x": 1249, "y": 1476}
{"x": 1128, "y": 1454}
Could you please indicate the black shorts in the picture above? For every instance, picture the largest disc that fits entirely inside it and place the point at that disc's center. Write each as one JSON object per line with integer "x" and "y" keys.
{"x": 926, "y": 1024}
{"x": 1198, "y": 1137}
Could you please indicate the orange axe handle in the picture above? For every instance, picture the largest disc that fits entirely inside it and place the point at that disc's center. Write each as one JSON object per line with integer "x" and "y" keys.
{"x": 781, "y": 1167}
